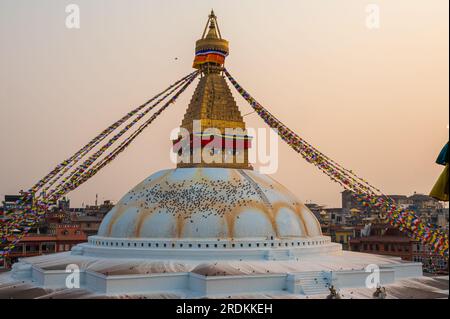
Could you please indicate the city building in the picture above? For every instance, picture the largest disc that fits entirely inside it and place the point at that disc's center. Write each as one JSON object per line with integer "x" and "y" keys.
{"x": 57, "y": 232}
{"x": 383, "y": 240}
{"x": 432, "y": 262}
{"x": 361, "y": 229}
{"x": 389, "y": 241}
{"x": 88, "y": 224}
{"x": 60, "y": 238}
{"x": 343, "y": 235}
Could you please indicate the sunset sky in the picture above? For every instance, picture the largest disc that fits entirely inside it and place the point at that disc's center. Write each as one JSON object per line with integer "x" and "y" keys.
{"x": 375, "y": 100}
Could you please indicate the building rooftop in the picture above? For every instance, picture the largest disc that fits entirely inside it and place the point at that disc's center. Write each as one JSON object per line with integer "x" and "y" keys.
{"x": 86, "y": 219}
{"x": 383, "y": 239}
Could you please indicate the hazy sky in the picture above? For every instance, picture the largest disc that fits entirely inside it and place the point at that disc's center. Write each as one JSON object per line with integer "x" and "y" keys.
{"x": 375, "y": 100}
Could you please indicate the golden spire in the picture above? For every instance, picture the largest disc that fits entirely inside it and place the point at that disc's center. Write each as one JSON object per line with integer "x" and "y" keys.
{"x": 212, "y": 105}
{"x": 211, "y": 49}
{"x": 214, "y": 32}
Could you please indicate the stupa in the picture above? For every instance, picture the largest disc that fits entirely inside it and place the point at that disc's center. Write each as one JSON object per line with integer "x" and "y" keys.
{"x": 211, "y": 229}
{"x": 220, "y": 209}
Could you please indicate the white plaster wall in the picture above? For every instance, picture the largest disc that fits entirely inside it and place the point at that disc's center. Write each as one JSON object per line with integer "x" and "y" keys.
{"x": 38, "y": 276}
{"x": 22, "y": 271}
{"x": 197, "y": 285}
{"x": 95, "y": 282}
{"x": 146, "y": 283}
{"x": 357, "y": 278}
{"x": 406, "y": 270}
{"x": 245, "y": 284}
{"x": 248, "y": 249}
{"x": 54, "y": 279}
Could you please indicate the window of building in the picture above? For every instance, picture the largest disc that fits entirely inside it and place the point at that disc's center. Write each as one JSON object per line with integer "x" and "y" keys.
{"x": 33, "y": 248}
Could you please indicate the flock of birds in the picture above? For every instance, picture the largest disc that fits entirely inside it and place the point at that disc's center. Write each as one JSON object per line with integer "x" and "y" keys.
{"x": 196, "y": 196}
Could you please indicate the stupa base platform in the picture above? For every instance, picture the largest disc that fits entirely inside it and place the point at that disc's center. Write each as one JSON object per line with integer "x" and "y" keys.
{"x": 205, "y": 249}
{"x": 306, "y": 277}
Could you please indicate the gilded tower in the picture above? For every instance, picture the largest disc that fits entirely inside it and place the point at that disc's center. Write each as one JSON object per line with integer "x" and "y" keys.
{"x": 215, "y": 126}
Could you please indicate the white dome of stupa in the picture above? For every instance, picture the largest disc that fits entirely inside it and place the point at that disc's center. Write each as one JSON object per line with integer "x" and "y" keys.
{"x": 209, "y": 203}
